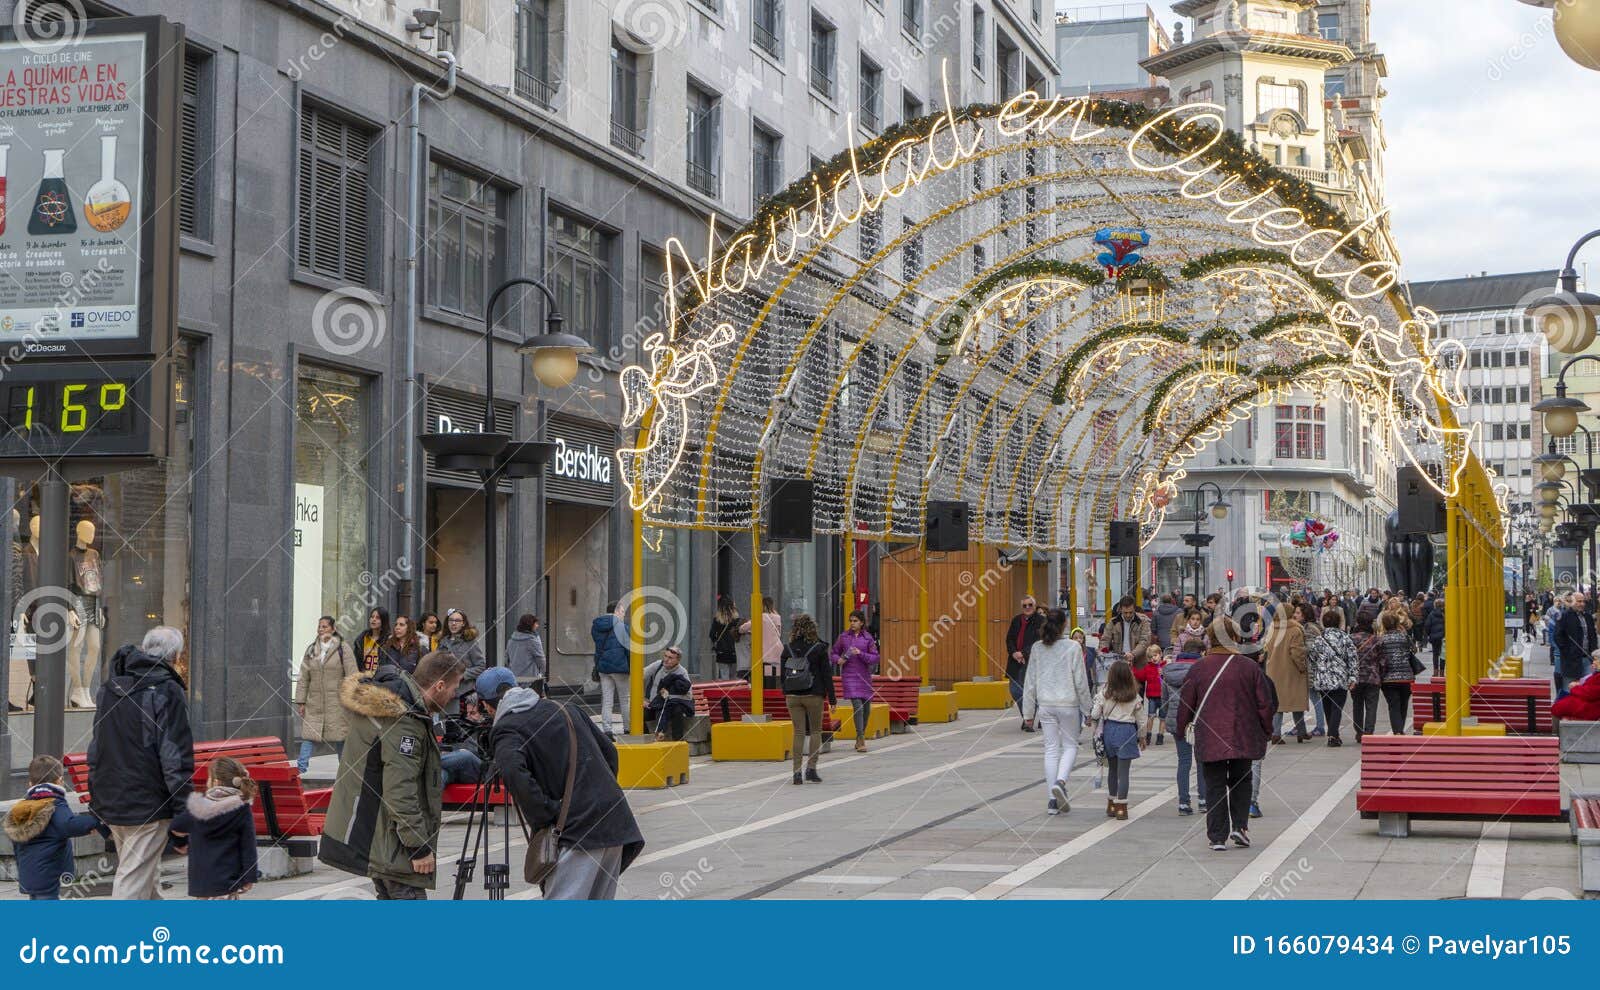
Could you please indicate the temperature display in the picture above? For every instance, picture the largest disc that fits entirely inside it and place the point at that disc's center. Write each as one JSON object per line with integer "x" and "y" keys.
{"x": 79, "y": 410}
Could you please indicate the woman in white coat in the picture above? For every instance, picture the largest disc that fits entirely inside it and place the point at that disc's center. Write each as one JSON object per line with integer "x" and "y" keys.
{"x": 1056, "y": 692}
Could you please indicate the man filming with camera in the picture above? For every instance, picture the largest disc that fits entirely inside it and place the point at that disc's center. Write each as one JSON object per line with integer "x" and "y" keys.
{"x": 532, "y": 743}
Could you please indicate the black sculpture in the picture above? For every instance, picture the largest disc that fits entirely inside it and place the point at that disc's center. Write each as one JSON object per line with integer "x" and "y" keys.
{"x": 1408, "y": 560}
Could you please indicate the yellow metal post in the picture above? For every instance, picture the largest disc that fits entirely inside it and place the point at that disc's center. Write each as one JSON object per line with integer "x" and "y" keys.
{"x": 849, "y": 594}
{"x": 1455, "y": 605}
{"x": 757, "y": 622}
{"x": 1108, "y": 581}
{"x": 923, "y": 637}
{"x": 636, "y": 623}
{"x": 983, "y": 611}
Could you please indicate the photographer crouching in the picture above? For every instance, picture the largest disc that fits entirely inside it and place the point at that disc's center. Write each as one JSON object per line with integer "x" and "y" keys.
{"x": 532, "y": 742}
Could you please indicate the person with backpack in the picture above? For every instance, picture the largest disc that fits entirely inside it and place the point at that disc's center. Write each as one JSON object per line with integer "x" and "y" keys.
{"x": 1172, "y": 677}
{"x": 807, "y": 680}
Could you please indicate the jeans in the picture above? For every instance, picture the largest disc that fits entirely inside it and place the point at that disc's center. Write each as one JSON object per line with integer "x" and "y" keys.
{"x": 1256, "y": 773}
{"x": 459, "y": 766}
{"x": 1316, "y": 709}
{"x": 1060, "y": 727}
{"x": 307, "y": 747}
{"x": 725, "y": 668}
{"x": 1117, "y": 773}
{"x": 861, "y": 710}
{"x": 1437, "y": 645}
{"x": 613, "y": 688}
{"x": 394, "y": 890}
{"x": 1333, "y": 706}
{"x": 584, "y": 875}
{"x": 1016, "y": 690}
{"x": 1157, "y": 710}
{"x": 1299, "y": 723}
{"x": 1365, "y": 715}
{"x": 805, "y": 710}
{"x": 1398, "y": 696}
{"x": 1227, "y": 798}
{"x": 1185, "y": 757}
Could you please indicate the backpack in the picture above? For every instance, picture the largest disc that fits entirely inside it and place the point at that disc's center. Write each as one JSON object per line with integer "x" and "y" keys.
{"x": 797, "y": 678}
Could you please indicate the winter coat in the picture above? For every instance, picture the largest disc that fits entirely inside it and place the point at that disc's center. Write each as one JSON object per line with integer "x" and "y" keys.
{"x": 610, "y": 656}
{"x": 676, "y": 682}
{"x": 821, "y": 670}
{"x": 141, "y": 758}
{"x": 1163, "y": 619}
{"x": 1235, "y": 722}
{"x": 1366, "y": 608}
{"x": 771, "y": 640}
{"x": 1020, "y": 637}
{"x": 1582, "y": 703}
{"x": 318, "y": 690}
{"x": 1333, "y": 661}
{"x": 1173, "y": 676}
{"x": 1287, "y": 665}
{"x": 525, "y": 656}
{"x": 1575, "y": 639}
{"x": 1188, "y": 640}
{"x": 386, "y": 805}
{"x": 1394, "y": 658}
{"x": 470, "y": 651}
{"x": 406, "y": 659}
{"x": 219, "y": 830}
{"x": 1149, "y": 677}
{"x": 1056, "y": 678}
{"x": 532, "y": 746}
{"x": 725, "y": 640}
{"x": 1369, "y": 662}
{"x": 1433, "y": 625}
{"x": 1105, "y": 709}
{"x": 41, "y": 828}
{"x": 1111, "y": 636}
{"x": 855, "y": 672}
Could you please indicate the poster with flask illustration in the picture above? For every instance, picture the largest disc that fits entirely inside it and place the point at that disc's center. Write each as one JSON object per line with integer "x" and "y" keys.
{"x": 72, "y": 160}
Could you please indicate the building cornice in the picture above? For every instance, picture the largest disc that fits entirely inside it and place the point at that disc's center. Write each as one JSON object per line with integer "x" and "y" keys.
{"x": 1330, "y": 53}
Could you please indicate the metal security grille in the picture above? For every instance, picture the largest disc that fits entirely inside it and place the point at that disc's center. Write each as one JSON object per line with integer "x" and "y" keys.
{"x": 458, "y": 412}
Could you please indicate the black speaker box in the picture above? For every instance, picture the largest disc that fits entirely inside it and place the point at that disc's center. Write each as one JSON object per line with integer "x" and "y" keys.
{"x": 789, "y": 503}
{"x": 1124, "y": 538}
{"x": 946, "y": 526}
{"x": 1421, "y": 508}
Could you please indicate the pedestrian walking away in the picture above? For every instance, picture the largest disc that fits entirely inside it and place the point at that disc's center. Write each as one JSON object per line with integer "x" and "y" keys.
{"x": 217, "y": 833}
{"x": 1333, "y": 670}
{"x": 611, "y": 667}
{"x": 1056, "y": 695}
{"x": 1226, "y": 708}
{"x": 725, "y": 638}
{"x": 1120, "y": 719}
{"x": 807, "y": 682}
{"x": 41, "y": 828}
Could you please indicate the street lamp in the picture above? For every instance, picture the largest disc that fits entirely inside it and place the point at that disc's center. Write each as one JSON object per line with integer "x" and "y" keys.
{"x": 1567, "y": 317}
{"x": 1197, "y": 539}
{"x": 1577, "y": 28}
{"x": 1560, "y": 411}
{"x": 495, "y": 455}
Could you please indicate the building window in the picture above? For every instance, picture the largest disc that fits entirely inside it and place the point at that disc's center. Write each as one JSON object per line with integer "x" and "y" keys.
{"x": 1006, "y": 57}
{"x": 535, "y": 79}
{"x": 466, "y": 253}
{"x": 871, "y": 95}
{"x": 334, "y": 233}
{"x": 824, "y": 49}
{"x": 910, "y": 106}
{"x": 768, "y": 26}
{"x": 910, "y": 253}
{"x": 870, "y": 230}
{"x": 581, "y": 259}
{"x": 1278, "y": 96}
{"x": 1333, "y": 88}
{"x": 1328, "y": 26}
{"x": 332, "y": 495}
{"x": 978, "y": 39}
{"x": 1300, "y": 432}
{"x": 195, "y": 147}
{"x": 911, "y": 18}
{"x": 627, "y": 118}
{"x": 980, "y": 260}
{"x": 1038, "y": 11}
{"x": 705, "y": 140}
{"x": 766, "y": 163}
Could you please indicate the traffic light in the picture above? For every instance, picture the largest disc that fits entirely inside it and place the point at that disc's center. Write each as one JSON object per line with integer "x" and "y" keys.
{"x": 1230, "y": 575}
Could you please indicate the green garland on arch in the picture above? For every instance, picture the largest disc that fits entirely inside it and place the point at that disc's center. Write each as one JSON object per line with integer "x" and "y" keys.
{"x": 1217, "y": 260}
{"x": 1146, "y": 271}
{"x": 1162, "y": 390}
{"x": 1166, "y": 331}
{"x": 1267, "y": 328}
{"x": 1018, "y": 271}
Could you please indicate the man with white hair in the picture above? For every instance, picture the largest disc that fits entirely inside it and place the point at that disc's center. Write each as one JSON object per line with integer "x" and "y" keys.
{"x": 141, "y": 757}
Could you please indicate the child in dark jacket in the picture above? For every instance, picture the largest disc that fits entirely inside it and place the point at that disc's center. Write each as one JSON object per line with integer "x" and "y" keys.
{"x": 42, "y": 826}
{"x": 217, "y": 831}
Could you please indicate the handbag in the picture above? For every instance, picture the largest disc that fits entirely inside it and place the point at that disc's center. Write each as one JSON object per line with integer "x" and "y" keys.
{"x": 544, "y": 846}
{"x": 1416, "y": 665}
{"x": 1188, "y": 730}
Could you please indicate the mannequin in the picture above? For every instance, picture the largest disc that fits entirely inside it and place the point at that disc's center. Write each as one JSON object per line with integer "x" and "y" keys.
{"x": 83, "y": 652}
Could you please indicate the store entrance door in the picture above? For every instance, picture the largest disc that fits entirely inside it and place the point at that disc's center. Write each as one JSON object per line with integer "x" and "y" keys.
{"x": 577, "y": 553}
{"x": 455, "y": 552}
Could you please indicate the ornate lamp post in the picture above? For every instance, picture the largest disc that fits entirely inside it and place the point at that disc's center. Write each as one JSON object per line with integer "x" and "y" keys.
{"x": 1577, "y": 28}
{"x": 495, "y": 455}
{"x": 1197, "y": 539}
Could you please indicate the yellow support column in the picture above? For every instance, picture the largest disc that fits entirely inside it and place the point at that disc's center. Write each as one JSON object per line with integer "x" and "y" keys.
{"x": 1108, "y": 580}
{"x": 983, "y": 613}
{"x": 757, "y": 624}
{"x": 923, "y": 630}
{"x": 1456, "y": 688}
{"x": 636, "y": 640}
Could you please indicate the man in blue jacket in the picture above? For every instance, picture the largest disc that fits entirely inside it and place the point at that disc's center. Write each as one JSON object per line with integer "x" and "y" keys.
{"x": 42, "y": 826}
{"x": 611, "y": 666}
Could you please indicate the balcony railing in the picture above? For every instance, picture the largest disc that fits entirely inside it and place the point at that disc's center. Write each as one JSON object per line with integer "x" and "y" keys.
{"x": 703, "y": 180}
{"x": 626, "y": 138}
{"x": 531, "y": 87}
{"x": 1326, "y": 178}
{"x": 911, "y": 20}
{"x": 821, "y": 81}
{"x": 871, "y": 118}
{"x": 767, "y": 41}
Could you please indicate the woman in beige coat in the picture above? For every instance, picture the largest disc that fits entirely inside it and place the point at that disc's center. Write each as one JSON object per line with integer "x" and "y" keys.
{"x": 1287, "y": 669}
{"x": 327, "y": 662}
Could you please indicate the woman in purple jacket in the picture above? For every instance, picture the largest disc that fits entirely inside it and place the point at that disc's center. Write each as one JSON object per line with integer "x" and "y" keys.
{"x": 855, "y": 653}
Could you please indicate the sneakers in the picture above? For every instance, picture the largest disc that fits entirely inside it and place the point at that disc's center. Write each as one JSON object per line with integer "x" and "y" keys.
{"x": 1058, "y": 796}
{"x": 1052, "y": 808}
{"x": 1318, "y": 732}
{"x": 1184, "y": 809}
{"x": 1255, "y": 810}
{"x": 1202, "y": 807}
{"x": 1026, "y": 727}
{"x": 1218, "y": 847}
{"x": 811, "y": 775}
{"x": 1240, "y": 838}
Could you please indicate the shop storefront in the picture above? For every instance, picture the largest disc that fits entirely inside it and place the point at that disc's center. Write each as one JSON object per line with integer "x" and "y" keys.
{"x": 580, "y": 488}
{"x": 453, "y": 556}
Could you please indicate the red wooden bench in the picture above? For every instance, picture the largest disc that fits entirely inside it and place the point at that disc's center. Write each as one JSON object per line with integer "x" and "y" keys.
{"x": 729, "y": 701}
{"x": 1458, "y": 778}
{"x": 900, "y": 694}
{"x": 1521, "y": 704}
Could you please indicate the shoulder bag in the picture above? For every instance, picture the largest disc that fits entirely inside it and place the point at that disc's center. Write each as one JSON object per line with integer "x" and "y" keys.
{"x": 544, "y": 846}
{"x": 1188, "y": 730}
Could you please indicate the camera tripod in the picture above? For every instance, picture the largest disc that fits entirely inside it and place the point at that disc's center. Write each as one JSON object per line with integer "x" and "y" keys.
{"x": 496, "y": 875}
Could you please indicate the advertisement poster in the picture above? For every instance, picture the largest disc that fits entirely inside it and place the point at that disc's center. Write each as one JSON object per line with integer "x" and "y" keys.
{"x": 71, "y": 160}
{"x": 307, "y": 571}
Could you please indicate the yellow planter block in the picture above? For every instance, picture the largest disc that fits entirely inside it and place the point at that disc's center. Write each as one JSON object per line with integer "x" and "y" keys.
{"x": 986, "y": 695}
{"x": 752, "y": 740}
{"x": 1482, "y": 729}
{"x": 937, "y": 706}
{"x": 877, "y": 720}
{"x": 652, "y": 764}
